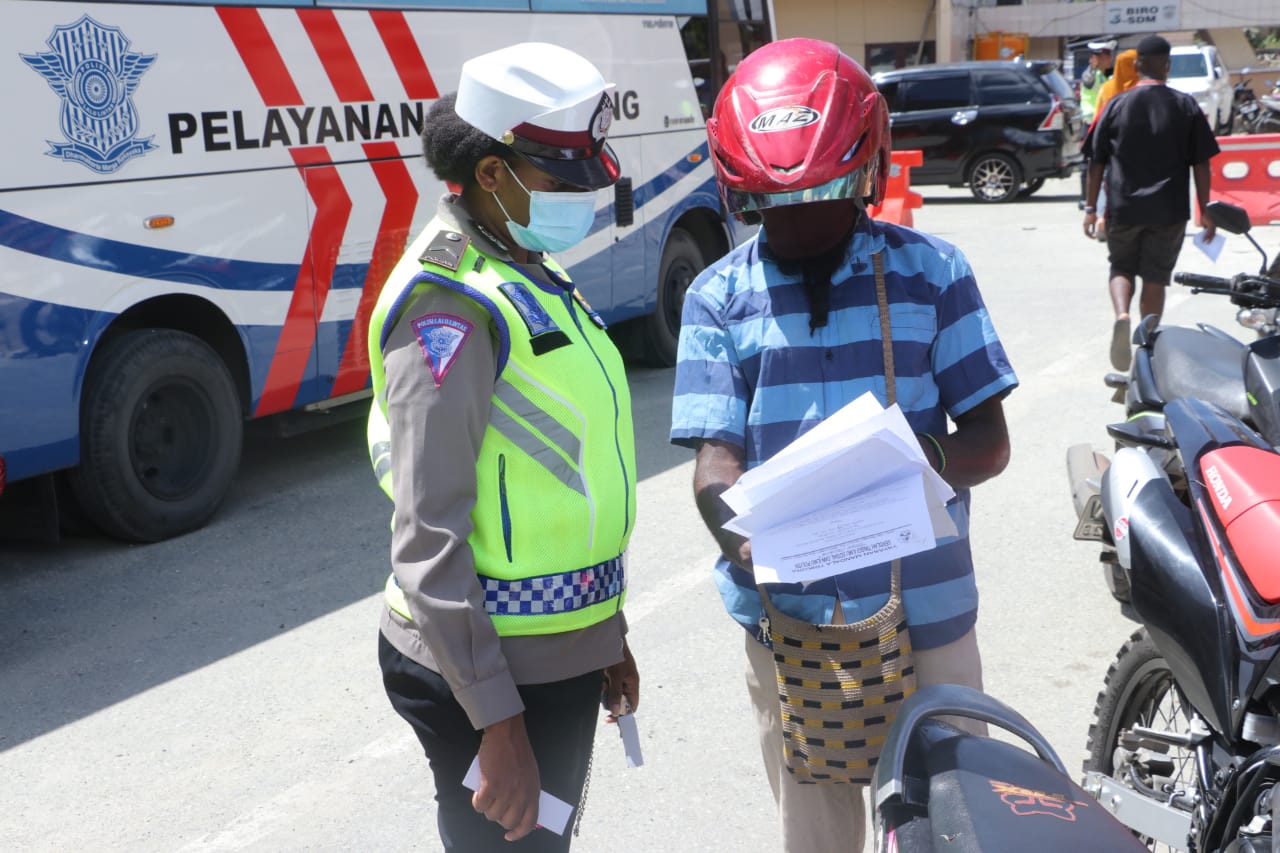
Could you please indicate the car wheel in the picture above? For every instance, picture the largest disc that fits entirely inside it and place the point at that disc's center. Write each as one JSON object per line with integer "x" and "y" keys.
{"x": 1032, "y": 186}
{"x": 995, "y": 178}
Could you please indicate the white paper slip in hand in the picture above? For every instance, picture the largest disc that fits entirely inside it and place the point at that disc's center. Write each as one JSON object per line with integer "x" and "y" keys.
{"x": 1211, "y": 248}
{"x": 630, "y": 739}
{"x": 553, "y": 812}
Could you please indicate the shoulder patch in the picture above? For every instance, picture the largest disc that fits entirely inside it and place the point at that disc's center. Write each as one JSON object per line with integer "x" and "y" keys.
{"x": 446, "y": 250}
{"x": 441, "y": 337}
{"x": 544, "y": 334}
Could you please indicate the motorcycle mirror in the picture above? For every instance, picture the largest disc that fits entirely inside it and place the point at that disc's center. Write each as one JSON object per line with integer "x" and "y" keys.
{"x": 1228, "y": 217}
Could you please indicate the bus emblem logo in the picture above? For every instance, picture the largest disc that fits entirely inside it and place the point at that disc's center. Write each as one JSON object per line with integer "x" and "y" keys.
{"x": 95, "y": 74}
{"x": 784, "y": 118}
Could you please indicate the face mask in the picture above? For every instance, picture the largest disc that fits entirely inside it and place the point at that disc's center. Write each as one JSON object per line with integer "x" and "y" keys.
{"x": 557, "y": 221}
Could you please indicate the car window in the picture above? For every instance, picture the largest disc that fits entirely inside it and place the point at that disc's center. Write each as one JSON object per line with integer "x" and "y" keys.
{"x": 889, "y": 88}
{"x": 935, "y": 93}
{"x": 1188, "y": 65}
{"x": 1008, "y": 87}
{"x": 1058, "y": 85}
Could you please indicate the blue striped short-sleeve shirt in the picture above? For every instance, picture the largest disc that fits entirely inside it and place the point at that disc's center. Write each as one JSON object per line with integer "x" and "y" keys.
{"x": 749, "y": 372}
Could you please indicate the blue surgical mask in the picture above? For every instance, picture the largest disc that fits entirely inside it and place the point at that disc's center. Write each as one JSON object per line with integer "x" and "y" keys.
{"x": 557, "y": 221}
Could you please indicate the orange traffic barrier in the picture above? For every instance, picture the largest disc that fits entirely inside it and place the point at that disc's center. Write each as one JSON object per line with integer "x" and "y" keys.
{"x": 899, "y": 200}
{"x": 1247, "y": 173}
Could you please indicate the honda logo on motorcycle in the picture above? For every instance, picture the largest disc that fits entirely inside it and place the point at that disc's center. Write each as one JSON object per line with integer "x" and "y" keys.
{"x": 1219, "y": 487}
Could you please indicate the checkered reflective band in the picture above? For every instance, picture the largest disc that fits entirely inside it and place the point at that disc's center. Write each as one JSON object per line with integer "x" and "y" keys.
{"x": 557, "y": 593}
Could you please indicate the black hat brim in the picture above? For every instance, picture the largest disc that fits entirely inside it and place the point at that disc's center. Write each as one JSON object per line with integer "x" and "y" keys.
{"x": 592, "y": 173}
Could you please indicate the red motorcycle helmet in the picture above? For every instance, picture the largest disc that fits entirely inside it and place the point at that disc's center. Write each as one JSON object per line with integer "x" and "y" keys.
{"x": 799, "y": 121}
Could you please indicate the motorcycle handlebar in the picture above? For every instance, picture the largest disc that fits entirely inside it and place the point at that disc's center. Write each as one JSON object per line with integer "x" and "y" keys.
{"x": 1192, "y": 279}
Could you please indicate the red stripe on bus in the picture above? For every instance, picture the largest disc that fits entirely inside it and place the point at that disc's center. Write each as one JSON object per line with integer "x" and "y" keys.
{"x": 405, "y": 55}
{"x": 261, "y": 58}
{"x": 393, "y": 234}
{"x": 335, "y": 54}
{"x": 298, "y": 335}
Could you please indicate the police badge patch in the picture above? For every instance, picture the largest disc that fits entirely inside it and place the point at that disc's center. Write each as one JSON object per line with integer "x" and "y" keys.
{"x": 92, "y": 69}
{"x": 441, "y": 337}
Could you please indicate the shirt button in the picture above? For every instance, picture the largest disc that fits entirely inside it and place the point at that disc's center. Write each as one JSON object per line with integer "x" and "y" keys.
{"x": 829, "y": 355}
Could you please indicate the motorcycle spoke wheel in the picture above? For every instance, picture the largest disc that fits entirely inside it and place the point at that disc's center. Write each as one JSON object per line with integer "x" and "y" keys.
{"x": 1139, "y": 691}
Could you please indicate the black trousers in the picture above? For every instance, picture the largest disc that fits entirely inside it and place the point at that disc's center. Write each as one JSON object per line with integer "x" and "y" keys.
{"x": 560, "y": 718}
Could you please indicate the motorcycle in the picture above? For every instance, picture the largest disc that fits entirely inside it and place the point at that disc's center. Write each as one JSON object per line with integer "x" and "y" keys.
{"x": 1254, "y": 114}
{"x": 1204, "y": 362}
{"x": 938, "y": 788}
{"x": 1185, "y": 744}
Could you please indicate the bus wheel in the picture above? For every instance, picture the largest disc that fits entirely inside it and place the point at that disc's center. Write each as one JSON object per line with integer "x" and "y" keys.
{"x": 160, "y": 435}
{"x": 681, "y": 262}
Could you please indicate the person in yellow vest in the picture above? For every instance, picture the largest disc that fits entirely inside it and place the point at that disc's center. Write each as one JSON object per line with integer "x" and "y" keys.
{"x": 1095, "y": 76}
{"x": 502, "y": 430}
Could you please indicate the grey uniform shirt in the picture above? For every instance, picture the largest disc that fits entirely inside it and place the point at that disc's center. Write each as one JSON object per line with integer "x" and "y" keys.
{"x": 436, "y": 433}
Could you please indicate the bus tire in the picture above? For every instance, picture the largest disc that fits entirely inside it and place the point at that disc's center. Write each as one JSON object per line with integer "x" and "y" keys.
{"x": 660, "y": 332}
{"x": 161, "y": 428}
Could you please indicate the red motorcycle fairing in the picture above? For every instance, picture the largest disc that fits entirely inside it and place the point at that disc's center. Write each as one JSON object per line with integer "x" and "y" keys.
{"x": 1244, "y": 484}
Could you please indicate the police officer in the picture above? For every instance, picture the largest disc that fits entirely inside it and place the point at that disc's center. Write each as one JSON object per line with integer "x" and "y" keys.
{"x": 502, "y": 430}
{"x": 1094, "y": 77}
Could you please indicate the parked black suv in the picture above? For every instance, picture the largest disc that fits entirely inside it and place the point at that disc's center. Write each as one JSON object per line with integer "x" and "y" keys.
{"x": 999, "y": 127}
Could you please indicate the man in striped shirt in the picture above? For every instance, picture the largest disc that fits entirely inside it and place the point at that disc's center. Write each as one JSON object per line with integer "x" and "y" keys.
{"x": 785, "y": 330}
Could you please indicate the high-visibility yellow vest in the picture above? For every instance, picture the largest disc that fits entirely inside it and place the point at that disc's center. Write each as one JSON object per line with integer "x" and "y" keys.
{"x": 556, "y": 475}
{"x": 1089, "y": 96}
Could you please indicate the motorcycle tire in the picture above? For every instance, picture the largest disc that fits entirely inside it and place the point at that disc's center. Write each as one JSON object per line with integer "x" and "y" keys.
{"x": 1138, "y": 690}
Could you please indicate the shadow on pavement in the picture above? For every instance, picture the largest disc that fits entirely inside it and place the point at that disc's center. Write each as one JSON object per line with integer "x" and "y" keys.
{"x": 303, "y": 533}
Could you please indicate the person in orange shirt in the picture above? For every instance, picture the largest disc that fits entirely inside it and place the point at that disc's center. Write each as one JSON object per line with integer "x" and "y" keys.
{"x": 1124, "y": 78}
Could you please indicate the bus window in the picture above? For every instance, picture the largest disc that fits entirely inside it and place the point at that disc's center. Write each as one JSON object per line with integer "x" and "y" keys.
{"x": 743, "y": 25}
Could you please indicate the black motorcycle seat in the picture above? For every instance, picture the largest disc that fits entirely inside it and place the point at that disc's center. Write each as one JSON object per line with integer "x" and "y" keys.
{"x": 987, "y": 795}
{"x": 1192, "y": 363}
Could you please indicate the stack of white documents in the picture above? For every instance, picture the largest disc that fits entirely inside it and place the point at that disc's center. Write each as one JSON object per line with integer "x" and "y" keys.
{"x": 854, "y": 491}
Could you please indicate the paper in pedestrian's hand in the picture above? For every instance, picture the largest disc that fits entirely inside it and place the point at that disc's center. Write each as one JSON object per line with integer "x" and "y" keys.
{"x": 855, "y": 491}
{"x": 1211, "y": 248}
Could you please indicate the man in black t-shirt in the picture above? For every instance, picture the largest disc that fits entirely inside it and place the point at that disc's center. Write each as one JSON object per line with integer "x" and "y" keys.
{"x": 1146, "y": 140}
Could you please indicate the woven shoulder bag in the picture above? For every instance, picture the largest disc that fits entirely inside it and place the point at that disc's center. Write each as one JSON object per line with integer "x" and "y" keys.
{"x": 840, "y": 685}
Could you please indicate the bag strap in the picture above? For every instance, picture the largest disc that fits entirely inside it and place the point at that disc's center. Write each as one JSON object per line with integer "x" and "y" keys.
{"x": 886, "y": 334}
{"x": 891, "y": 393}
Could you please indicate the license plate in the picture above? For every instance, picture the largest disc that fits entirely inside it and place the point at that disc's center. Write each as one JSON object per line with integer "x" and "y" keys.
{"x": 1092, "y": 524}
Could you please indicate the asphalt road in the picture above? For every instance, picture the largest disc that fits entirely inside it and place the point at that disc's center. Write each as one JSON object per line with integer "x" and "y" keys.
{"x": 221, "y": 692}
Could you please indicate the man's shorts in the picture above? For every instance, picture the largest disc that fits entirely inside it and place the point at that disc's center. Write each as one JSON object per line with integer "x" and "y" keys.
{"x": 1149, "y": 251}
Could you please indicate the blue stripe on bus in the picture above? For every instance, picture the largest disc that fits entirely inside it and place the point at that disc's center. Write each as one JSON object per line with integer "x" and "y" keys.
{"x": 72, "y": 247}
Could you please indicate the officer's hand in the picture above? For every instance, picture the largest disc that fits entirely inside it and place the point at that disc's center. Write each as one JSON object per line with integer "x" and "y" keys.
{"x": 509, "y": 781}
{"x": 622, "y": 679}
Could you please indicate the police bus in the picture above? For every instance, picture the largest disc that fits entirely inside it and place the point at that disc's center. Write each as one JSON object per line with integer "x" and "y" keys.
{"x": 200, "y": 202}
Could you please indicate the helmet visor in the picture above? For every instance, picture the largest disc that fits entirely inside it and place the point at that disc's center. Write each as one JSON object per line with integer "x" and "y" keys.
{"x": 855, "y": 184}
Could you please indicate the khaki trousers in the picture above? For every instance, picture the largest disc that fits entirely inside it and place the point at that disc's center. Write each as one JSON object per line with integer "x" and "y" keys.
{"x": 832, "y": 818}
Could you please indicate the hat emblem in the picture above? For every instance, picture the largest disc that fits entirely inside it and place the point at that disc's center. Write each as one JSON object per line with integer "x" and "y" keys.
{"x": 602, "y": 118}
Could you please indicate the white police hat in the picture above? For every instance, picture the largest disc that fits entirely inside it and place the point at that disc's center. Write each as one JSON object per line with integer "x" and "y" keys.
{"x": 546, "y": 102}
{"x": 1109, "y": 45}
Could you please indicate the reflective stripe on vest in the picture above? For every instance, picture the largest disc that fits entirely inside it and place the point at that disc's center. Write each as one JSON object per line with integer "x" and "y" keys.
{"x": 507, "y": 601}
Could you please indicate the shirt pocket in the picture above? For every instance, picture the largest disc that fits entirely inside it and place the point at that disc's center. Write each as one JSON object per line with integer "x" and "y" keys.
{"x": 917, "y": 322}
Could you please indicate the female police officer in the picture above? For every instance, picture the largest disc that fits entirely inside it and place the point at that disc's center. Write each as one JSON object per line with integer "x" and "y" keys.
{"x": 502, "y": 430}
